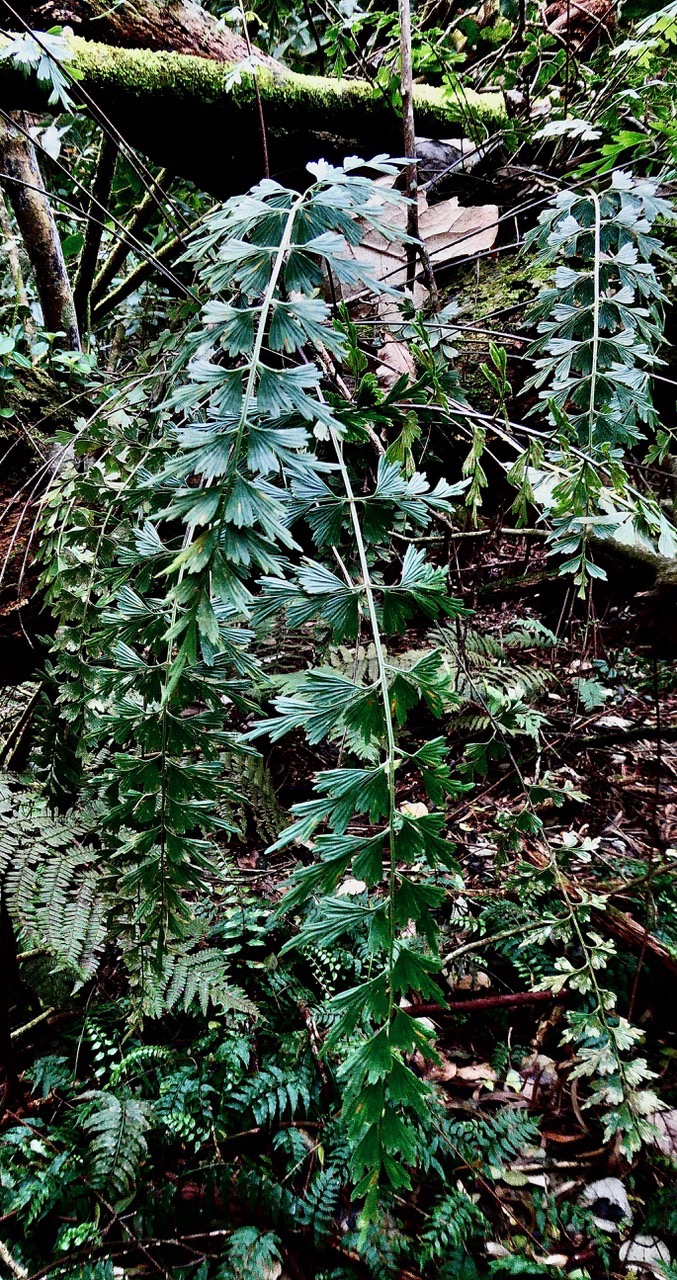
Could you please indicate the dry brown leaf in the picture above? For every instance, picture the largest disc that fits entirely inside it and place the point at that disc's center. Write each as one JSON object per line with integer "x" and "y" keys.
{"x": 480, "y": 1073}
{"x": 451, "y": 231}
{"x": 448, "y": 229}
{"x": 474, "y": 981}
{"x": 441, "y": 1071}
{"x": 396, "y": 359}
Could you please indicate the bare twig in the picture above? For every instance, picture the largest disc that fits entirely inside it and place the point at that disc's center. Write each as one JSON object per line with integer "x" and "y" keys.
{"x": 508, "y": 1000}
{"x": 11, "y": 1263}
{"x": 410, "y": 174}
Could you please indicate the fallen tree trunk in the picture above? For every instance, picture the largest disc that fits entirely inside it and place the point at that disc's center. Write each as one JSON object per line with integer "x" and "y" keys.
{"x": 192, "y": 116}
{"x": 181, "y": 26}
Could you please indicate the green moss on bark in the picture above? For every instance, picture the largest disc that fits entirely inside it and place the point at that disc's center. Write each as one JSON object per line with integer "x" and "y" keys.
{"x": 178, "y": 108}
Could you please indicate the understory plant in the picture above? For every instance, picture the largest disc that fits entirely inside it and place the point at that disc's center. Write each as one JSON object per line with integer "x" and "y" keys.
{"x": 211, "y": 555}
{"x": 270, "y": 487}
{"x": 600, "y": 328}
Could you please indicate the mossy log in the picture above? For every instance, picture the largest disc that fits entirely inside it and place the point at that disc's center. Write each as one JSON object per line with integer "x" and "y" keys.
{"x": 179, "y": 25}
{"x": 185, "y": 113}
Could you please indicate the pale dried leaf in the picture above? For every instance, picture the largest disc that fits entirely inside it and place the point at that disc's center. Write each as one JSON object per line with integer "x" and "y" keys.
{"x": 480, "y": 1073}
{"x": 666, "y": 1124}
{"x": 451, "y": 231}
{"x": 448, "y": 229}
{"x": 350, "y": 886}
{"x": 396, "y": 359}
{"x": 414, "y": 808}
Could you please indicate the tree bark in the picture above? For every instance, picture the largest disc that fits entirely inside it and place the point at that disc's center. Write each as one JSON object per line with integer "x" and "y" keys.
{"x": 187, "y": 114}
{"x": 22, "y": 181}
{"x": 179, "y": 25}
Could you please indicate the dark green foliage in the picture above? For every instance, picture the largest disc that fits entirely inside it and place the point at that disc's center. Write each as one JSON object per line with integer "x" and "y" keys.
{"x": 48, "y": 873}
{"x": 116, "y": 1128}
{"x": 242, "y": 556}
{"x": 454, "y": 1221}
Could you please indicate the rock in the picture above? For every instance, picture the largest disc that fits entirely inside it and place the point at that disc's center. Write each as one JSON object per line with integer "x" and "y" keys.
{"x": 608, "y": 1200}
{"x": 644, "y": 1253}
{"x": 436, "y": 156}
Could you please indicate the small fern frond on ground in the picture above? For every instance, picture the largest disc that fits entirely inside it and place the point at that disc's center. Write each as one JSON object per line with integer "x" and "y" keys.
{"x": 117, "y": 1129}
{"x": 51, "y": 881}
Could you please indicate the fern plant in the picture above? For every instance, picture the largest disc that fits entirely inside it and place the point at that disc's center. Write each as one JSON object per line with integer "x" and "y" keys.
{"x": 600, "y": 327}
{"x": 50, "y": 881}
{"x": 174, "y": 638}
{"x": 601, "y": 321}
{"x": 246, "y": 506}
{"x": 379, "y": 1087}
{"x": 179, "y": 608}
{"x": 116, "y": 1128}
{"x": 453, "y": 1222}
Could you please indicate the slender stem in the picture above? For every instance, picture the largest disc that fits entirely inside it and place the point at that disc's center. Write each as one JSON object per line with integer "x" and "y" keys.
{"x": 266, "y": 304}
{"x": 137, "y": 222}
{"x": 490, "y": 938}
{"x": 409, "y": 129}
{"x": 410, "y": 174}
{"x": 102, "y": 305}
{"x": 11, "y": 1263}
{"x": 390, "y": 763}
{"x": 257, "y": 91}
{"x": 595, "y": 319}
{"x": 35, "y": 1022}
{"x": 100, "y": 196}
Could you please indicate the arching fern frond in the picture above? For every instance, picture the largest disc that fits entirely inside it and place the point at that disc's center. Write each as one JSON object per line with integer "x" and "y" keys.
{"x": 190, "y": 978}
{"x": 117, "y": 1129}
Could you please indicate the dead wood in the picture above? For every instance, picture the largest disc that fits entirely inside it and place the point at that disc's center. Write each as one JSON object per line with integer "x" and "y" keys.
{"x": 507, "y": 1000}
{"x": 187, "y": 114}
{"x": 22, "y": 181}
{"x": 181, "y": 26}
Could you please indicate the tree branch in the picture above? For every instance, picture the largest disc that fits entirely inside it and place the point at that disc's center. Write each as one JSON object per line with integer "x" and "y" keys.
{"x": 136, "y": 277}
{"x": 101, "y": 189}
